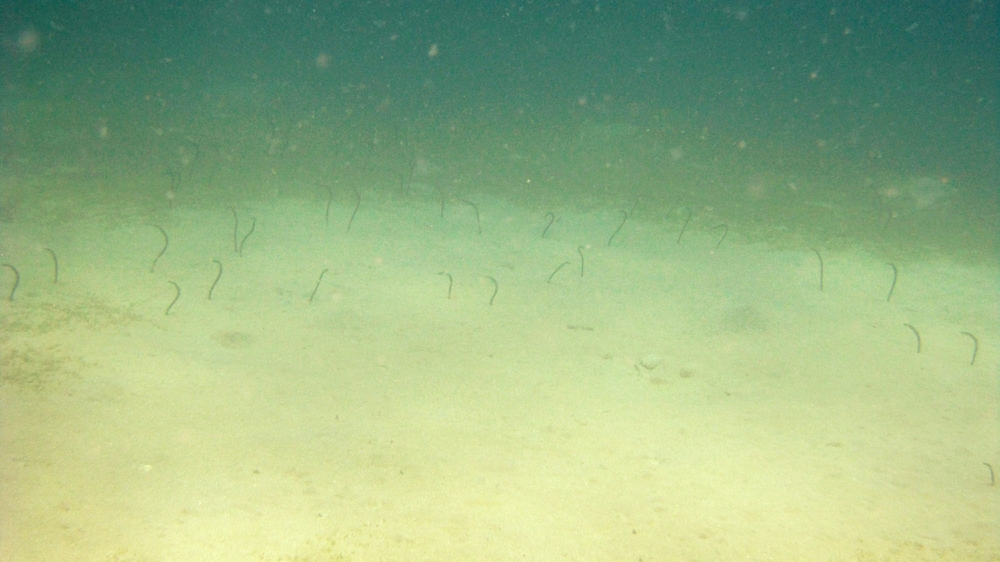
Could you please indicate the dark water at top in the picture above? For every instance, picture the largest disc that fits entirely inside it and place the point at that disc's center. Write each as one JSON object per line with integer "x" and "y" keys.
{"x": 800, "y": 121}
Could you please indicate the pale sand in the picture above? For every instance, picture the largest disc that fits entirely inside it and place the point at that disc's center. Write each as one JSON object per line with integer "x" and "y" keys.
{"x": 384, "y": 421}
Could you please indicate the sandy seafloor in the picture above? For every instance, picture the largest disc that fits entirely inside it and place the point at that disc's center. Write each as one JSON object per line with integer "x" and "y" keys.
{"x": 675, "y": 402}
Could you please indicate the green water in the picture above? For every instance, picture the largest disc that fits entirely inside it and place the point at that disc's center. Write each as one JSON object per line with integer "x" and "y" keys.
{"x": 836, "y": 126}
{"x": 443, "y": 280}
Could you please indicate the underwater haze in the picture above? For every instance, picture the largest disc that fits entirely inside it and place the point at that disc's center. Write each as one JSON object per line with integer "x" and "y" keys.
{"x": 444, "y": 280}
{"x": 871, "y": 125}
